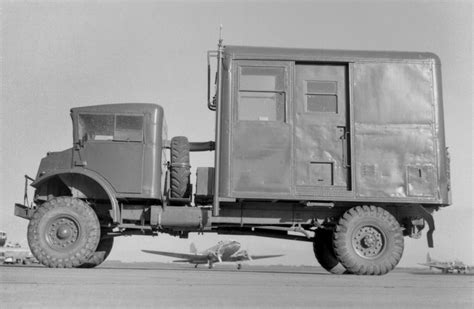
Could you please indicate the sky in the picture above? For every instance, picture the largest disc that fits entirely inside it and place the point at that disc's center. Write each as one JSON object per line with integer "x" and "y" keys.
{"x": 56, "y": 55}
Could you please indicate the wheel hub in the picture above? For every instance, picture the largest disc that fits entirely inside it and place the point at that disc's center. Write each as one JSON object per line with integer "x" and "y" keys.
{"x": 368, "y": 241}
{"x": 62, "y": 233}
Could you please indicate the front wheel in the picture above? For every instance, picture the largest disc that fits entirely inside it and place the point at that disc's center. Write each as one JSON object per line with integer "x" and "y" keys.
{"x": 368, "y": 241}
{"x": 100, "y": 254}
{"x": 64, "y": 232}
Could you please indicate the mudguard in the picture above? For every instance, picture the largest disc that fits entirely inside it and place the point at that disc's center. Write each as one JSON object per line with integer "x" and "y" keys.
{"x": 104, "y": 184}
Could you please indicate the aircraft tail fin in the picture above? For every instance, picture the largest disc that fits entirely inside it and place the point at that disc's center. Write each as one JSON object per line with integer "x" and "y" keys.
{"x": 193, "y": 249}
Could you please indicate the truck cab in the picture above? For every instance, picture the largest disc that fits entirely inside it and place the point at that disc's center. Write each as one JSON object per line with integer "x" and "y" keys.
{"x": 123, "y": 144}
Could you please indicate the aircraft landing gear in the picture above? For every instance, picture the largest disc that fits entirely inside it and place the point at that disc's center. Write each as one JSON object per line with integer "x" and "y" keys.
{"x": 196, "y": 266}
{"x": 239, "y": 266}
{"x": 211, "y": 266}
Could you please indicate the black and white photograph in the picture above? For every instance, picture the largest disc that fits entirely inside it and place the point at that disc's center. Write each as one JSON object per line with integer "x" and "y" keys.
{"x": 236, "y": 154}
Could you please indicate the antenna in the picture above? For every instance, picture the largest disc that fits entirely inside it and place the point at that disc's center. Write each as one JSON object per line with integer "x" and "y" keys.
{"x": 220, "y": 35}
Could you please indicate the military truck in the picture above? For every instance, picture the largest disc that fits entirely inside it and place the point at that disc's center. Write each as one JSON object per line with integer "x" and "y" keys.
{"x": 344, "y": 149}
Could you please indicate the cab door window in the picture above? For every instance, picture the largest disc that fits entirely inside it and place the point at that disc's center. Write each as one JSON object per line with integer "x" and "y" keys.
{"x": 128, "y": 128}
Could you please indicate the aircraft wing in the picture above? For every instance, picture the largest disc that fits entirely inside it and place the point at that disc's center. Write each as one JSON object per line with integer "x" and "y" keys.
{"x": 185, "y": 256}
{"x": 245, "y": 257}
{"x": 435, "y": 266}
{"x": 258, "y": 257}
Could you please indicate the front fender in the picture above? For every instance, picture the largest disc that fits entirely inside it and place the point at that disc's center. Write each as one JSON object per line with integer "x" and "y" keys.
{"x": 79, "y": 180}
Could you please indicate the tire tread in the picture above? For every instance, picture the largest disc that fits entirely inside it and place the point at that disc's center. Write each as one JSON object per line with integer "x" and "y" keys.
{"x": 342, "y": 241}
{"x": 75, "y": 259}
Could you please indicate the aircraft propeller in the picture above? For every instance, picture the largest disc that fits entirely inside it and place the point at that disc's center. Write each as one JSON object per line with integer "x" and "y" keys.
{"x": 246, "y": 255}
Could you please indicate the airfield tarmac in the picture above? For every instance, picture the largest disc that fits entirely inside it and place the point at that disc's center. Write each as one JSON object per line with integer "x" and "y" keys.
{"x": 183, "y": 286}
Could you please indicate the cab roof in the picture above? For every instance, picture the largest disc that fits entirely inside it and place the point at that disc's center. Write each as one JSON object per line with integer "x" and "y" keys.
{"x": 141, "y": 108}
{"x": 330, "y": 55}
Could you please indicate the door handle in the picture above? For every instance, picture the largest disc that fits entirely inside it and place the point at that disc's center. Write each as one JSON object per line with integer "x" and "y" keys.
{"x": 344, "y": 139}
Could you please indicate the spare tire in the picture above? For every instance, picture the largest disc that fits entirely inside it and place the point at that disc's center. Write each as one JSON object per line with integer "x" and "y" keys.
{"x": 180, "y": 168}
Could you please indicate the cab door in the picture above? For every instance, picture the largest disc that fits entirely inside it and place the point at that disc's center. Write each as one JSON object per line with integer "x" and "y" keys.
{"x": 322, "y": 133}
{"x": 261, "y": 134}
{"x": 113, "y": 146}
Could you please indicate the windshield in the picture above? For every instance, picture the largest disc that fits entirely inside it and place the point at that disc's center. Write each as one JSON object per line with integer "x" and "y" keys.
{"x": 103, "y": 127}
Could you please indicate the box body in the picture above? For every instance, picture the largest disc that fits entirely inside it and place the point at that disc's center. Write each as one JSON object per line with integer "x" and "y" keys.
{"x": 301, "y": 124}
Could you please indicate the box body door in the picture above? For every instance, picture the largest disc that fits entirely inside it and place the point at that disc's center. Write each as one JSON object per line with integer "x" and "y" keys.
{"x": 321, "y": 130}
{"x": 261, "y": 138}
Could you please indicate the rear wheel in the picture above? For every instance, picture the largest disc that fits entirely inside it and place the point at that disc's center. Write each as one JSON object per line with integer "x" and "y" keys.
{"x": 180, "y": 168}
{"x": 324, "y": 252}
{"x": 63, "y": 232}
{"x": 368, "y": 241}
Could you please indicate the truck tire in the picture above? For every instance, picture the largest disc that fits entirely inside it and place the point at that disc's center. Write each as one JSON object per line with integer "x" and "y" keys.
{"x": 368, "y": 241}
{"x": 100, "y": 254}
{"x": 180, "y": 168}
{"x": 324, "y": 252}
{"x": 63, "y": 232}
